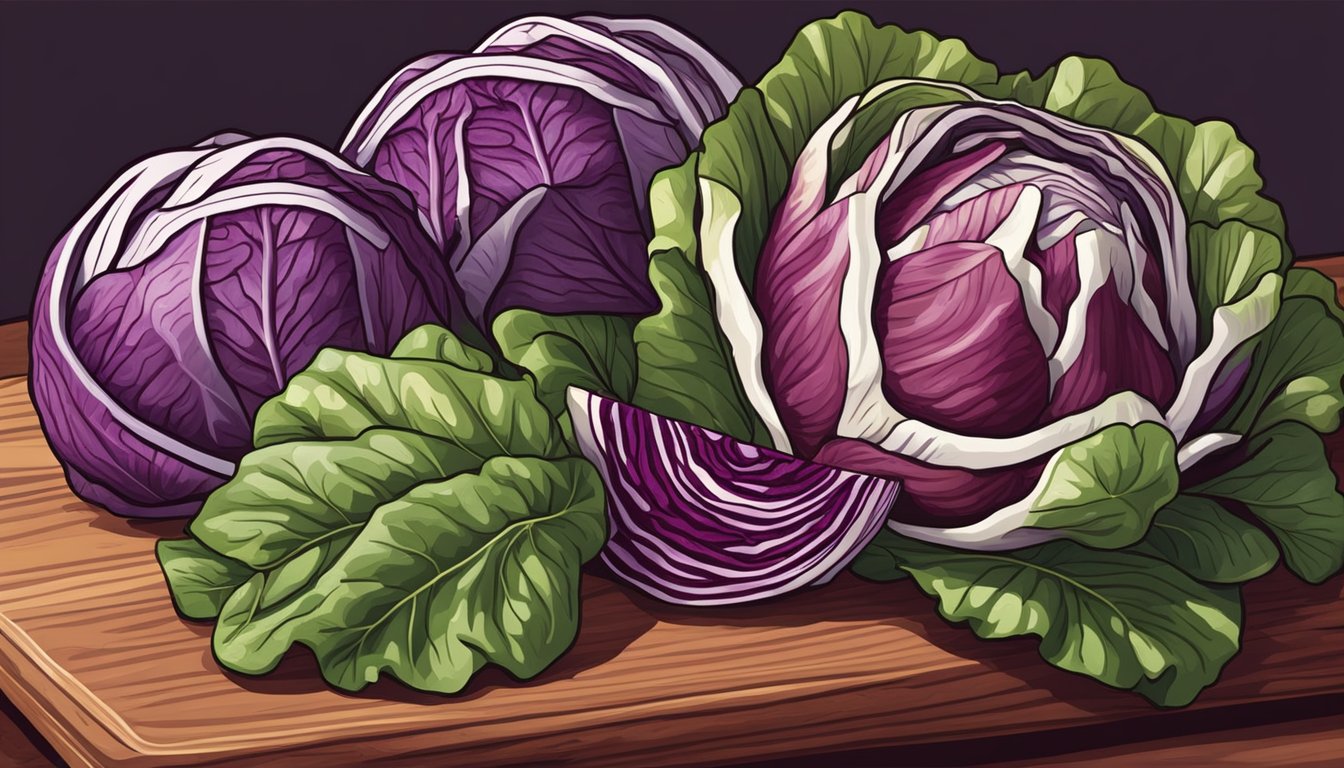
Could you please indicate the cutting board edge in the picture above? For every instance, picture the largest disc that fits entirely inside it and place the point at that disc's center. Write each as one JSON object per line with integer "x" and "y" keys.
{"x": 112, "y": 742}
{"x": 51, "y": 714}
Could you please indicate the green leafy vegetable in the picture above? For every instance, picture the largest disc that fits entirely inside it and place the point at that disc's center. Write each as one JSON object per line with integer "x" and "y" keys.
{"x": 1227, "y": 263}
{"x": 1123, "y": 618}
{"x": 1297, "y": 368}
{"x": 592, "y": 352}
{"x": 685, "y": 366}
{"x": 434, "y": 342}
{"x": 344, "y": 393}
{"x": 1206, "y": 541}
{"x": 1287, "y": 483}
{"x": 199, "y": 579}
{"x": 291, "y": 496}
{"x": 420, "y": 489}
{"x": 1103, "y": 490}
{"x": 481, "y": 568}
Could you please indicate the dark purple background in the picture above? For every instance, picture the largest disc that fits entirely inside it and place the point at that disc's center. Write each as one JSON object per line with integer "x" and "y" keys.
{"x": 86, "y": 88}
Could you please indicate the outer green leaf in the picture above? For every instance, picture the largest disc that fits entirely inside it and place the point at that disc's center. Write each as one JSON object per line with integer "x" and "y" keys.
{"x": 1206, "y": 541}
{"x": 1226, "y": 264}
{"x": 1304, "y": 281}
{"x": 672, "y": 204}
{"x": 289, "y": 498}
{"x": 882, "y": 559}
{"x": 1218, "y": 181}
{"x": 685, "y": 367}
{"x": 198, "y": 579}
{"x": 1104, "y": 490}
{"x": 593, "y": 352}
{"x": 743, "y": 153}
{"x": 1297, "y": 367}
{"x": 433, "y": 342}
{"x": 1212, "y": 169}
{"x": 478, "y": 569}
{"x": 1287, "y": 483}
{"x": 1125, "y": 619}
{"x": 1087, "y": 90}
{"x": 341, "y": 394}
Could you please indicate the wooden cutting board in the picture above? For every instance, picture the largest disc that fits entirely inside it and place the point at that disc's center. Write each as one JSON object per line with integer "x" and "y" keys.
{"x": 93, "y": 654}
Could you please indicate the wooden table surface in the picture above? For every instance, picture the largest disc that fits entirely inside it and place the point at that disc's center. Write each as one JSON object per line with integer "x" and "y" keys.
{"x": 94, "y": 658}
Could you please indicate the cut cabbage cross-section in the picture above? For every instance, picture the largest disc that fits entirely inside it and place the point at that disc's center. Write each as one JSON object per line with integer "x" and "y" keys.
{"x": 700, "y": 518}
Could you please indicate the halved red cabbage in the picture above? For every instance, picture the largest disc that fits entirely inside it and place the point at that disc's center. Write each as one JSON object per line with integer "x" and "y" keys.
{"x": 700, "y": 518}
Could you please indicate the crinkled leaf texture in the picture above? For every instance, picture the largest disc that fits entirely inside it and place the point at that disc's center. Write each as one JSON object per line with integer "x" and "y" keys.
{"x": 451, "y": 575}
{"x": 1126, "y": 619}
{"x": 197, "y": 284}
{"x": 413, "y": 514}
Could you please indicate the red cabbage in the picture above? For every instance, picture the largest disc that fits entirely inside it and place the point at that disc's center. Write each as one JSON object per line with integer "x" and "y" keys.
{"x": 697, "y": 517}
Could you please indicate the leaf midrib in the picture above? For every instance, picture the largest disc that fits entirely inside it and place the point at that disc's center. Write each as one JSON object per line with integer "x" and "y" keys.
{"x": 515, "y": 528}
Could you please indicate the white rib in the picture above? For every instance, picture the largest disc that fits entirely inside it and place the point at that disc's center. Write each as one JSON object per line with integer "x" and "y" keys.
{"x": 113, "y": 210}
{"x": 1011, "y": 238}
{"x": 373, "y": 103}
{"x": 724, "y": 80}
{"x": 1000, "y": 530}
{"x": 483, "y": 266}
{"x": 1095, "y": 255}
{"x": 735, "y": 313}
{"x": 536, "y": 28}
{"x": 1233, "y": 325}
{"x": 940, "y": 447}
{"x": 866, "y": 413}
{"x": 911, "y": 243}
{"x": 362, "y": 254}
{"x": 510, "y": 67}
{"x": 144, "y": 176}
{"x": 1205, "y": 445}
{"x": 1138, "y": 298}
{"x": 1049, "y": 236}
{"x": 161, "y": 226}
{"x": 733, "y": 309}
{"x": 219, "y": 164}
{"x": 462, "y": 202}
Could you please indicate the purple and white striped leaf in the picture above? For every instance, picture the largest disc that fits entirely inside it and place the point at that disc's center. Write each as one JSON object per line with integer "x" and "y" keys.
{"x": 699, "y": 518}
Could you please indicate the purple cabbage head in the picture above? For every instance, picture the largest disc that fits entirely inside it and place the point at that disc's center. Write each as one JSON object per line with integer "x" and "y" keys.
{"x": 530, "y": 158}
{"x": 193, "y": 288}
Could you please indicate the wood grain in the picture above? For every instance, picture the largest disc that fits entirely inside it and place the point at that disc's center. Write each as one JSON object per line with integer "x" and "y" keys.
{"x": 93, "y": 653}
{"x": 1313, "y": 743}
{"x": 13, "y": 349}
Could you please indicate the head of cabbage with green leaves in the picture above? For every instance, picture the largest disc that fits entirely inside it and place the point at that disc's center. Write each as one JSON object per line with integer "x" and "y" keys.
{"x": 1066, "y": 324}
{"x": 1024, "y": 340}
